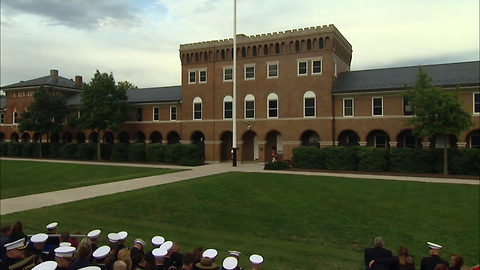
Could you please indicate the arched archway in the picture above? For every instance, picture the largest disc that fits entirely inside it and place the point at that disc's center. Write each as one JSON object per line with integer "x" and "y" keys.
{"x": 274, "y": 140}
{"x": 156, "y": 137}
{"x": 55, "y": 138}
{"x": 123, "y": 137}
{"x": 473, "y": 139}
{"x": 173, "y": 137}
{"x": 37, "y": 137}
{"x": 198, "y": 139}
{"x": 250, "y": 146}
{"x": 67, "y": 137}
{"x": 226, "y": 146}
{"x": 108, "y": 137}
{"x": 310, "y": 138}
{"x": 406, "y": 139}
{"x": 14, "y": 137}
{"x": 348, "y": 138}
{"x": 139, "y": 137}
{"x": 2, "y": 137}
{"x": 438, "y": 141}
{"x": 80, "y": 137}
{"x": 378, "y": 139}
{"x": 26, "y": 137}
{"x": 93, "y": 138}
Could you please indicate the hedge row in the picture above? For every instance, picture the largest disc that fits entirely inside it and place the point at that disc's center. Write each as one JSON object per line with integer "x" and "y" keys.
{"x": 402, "y": 160}
{"x": 181, "y": 154}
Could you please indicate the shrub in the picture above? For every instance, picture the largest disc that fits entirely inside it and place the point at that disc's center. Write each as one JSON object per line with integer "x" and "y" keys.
{"x": 136, "y": 152}
{"x": 86, "y": 151}
{"x": 308, "y": 157}
{"x": 69, "y": 150}
{"x": 190, "y": 162}
{"x": 4, "y": 148}
{"x": 30, "y": 150}
{"x": 55, "y": 150}
{"x": 341, "y": 158}
{"x": 464, "y": 161}
{"x": 155, "y": 152}
{"x": 119, "y": 152}
{"x": 373, "y": 159}
{"x": 279, "y": 165}
{"x": 408, "y": 160}
{"x": 106, "y": 151}
{"x": 176, "y": 152}
{"x": 15, "y": 149}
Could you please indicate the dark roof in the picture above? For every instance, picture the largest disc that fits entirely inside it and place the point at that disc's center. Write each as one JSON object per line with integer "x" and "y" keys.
{"x": 463, "y": 74}
{"x": 144, "y": 95}
{"x": 3, "y": 103}
{"x": 46, "y": 80}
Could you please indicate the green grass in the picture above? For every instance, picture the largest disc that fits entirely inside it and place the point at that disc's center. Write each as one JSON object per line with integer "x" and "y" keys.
{"x": 19, "y": 178}
{"x": 295, "y": 222}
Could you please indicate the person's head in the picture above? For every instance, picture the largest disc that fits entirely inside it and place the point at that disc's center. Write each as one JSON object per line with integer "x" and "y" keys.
{"x": 440, "y": 267}
{"x": 64, "y": 256}
{"x": 197, "y": 254}
{"x": 64, "y": 237}
{"x": 378, "y": 242}
{"x": 187, "y": 260}
{"x": 17, "y": 227}
{"x": 84, "y": 251}
{"x": 6, "y": 230}
{"x": 457, "y": 260}
{"x": 402, "y": 255}
{"x": 434, "y": 252}
{"x": 15, "y": 249}
{"x": 139, "y": 244}
{"x": 119, "y": 265}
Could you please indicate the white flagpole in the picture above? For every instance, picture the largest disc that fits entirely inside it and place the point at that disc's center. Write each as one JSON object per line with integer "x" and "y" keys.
{"x": 234, "y": 106}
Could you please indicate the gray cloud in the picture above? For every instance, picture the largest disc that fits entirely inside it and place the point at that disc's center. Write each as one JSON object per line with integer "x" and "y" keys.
{"x": 80, "y": 14}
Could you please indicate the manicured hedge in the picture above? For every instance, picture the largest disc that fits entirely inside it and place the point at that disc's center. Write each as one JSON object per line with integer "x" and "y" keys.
{"x": 86, "y": 151}
{"x": 155, "y": 152}
{"x": 119, "y": 152}
{"x": 136, "y": 152}
{"x": 279, "y": 165}
{"x": 403, "y": 160}
{"x": 183, "y": 154}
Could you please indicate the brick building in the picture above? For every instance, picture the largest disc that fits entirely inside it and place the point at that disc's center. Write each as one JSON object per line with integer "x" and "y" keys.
{"x": 293, "y": 88}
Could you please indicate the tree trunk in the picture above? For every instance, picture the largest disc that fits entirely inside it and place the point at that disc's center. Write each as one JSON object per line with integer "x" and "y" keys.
{"x": 445, "y": 157}
{"x": 40, "y": 146}
{"x": 99, "y": 154}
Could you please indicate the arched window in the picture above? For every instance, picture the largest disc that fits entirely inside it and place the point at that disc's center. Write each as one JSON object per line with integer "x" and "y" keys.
{"x": 320, "y": 43}
{"x": 249, "y": 106}
{"x": 227, "y": 107}
{"x": 254, "y": 49}
{"x": 244, "y": 52}
{"x": 297, "y": 46}
{"x": 205, "y": 56}
{"x": 223, "y": 54}
{"x": 309, "y": 44}
{"x": 265, "y": 50}
{"x": 197, "y": 108}
{"x": 272, "y": 105}
{"x": 309, "y": 104}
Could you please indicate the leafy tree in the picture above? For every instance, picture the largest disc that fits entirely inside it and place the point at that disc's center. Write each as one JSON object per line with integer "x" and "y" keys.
{"x": 103, "y": 106}
{"x": 44, "y": 115}
{"x": 437, "y": 112}
{"x": 127, "y": 85}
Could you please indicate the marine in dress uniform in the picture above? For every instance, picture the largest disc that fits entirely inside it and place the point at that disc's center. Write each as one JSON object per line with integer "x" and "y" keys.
{"x": 229, "y": 263}
{"x": 14, "y": 253}
{"x": 102, "y": 258}
{"x": 52, "y": 242}
{"x": 256, "y": 260}
{"x": 93, "y": 236}
{"x": 37, "y": 247}
{"x": 64, "y": 257}
{"x": 429, "y": 263}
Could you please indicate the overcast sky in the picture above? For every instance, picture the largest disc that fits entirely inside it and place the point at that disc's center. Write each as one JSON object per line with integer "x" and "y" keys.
{"x": 138, "y": 40}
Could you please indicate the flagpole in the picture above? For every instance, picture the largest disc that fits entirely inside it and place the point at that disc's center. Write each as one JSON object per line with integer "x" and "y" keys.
{"x": 234, "y": 71}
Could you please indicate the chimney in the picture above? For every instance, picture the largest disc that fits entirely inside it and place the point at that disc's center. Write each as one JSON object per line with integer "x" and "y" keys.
{"x": 53, "y": 73}
{"x": 78, "y": 81}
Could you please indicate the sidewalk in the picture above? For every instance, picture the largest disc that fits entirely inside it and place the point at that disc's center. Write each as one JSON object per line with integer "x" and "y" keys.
{"x": 35, "y": 201}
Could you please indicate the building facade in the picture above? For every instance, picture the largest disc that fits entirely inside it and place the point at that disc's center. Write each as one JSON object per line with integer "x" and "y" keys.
{"x": 293, "y": 88}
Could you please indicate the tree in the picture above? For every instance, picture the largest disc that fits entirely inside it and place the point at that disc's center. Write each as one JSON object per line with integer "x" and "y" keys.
{"x": 437, "y": 112}
{"x": 103, "y": 106}
{"x": 44, "y": 115}
{"x": 127, "y": 85}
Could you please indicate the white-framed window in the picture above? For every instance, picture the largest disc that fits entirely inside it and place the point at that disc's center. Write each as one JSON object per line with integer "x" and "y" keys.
{"x": 192, "y": 77}
{"x": 173, "y": 113}
{"x": 309, "y": 104}
{"x": 227, "y": 74}
{"x": 407, "y": 107}
{"x": 15, "y": 118}
{"x": 249, "y": 106}
{"x": 156, "y": 114}
{"x": 202, "y": 76}
{"x": 227, "y": 107}
{"x": 476, "y": 103}
{"x": 317, "y": 66}
{"x": 272, "y": 70}
{"x": 348, "y": 107}
{"x": 249, "y": 72}
{"x": 474, "y": 140}
{"x": 272, "y": 105}
{"x": 302, "y": 68}
{"x": 197, "y": 108}
{"x": 377, "y": 106}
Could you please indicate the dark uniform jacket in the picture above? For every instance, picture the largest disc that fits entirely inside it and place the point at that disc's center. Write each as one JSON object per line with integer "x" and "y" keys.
{"x": 428, "y": 263}
{"x": 374, "y": 254}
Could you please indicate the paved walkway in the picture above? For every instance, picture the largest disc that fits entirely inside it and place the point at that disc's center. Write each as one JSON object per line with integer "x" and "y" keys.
{"x": 35, "y": 201}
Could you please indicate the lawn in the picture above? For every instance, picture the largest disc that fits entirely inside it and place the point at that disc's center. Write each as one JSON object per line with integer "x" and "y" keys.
{"x": 19, "y": 178}
{"x": 295, "y": 222}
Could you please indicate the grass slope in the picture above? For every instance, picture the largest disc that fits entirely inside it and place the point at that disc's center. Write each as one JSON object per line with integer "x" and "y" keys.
{"x": 295, "y": 222}
{"x": 19, "y": 178}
